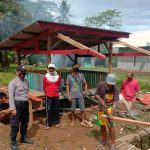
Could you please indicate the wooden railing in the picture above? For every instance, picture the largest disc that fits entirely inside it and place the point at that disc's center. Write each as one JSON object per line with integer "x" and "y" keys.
{"x": 35, "y": 78}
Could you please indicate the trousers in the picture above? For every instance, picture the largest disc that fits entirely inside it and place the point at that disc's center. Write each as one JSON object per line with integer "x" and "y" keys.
{"x": 20, "y": 121}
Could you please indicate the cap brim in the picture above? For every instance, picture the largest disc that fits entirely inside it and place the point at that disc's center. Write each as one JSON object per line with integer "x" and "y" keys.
{"x": 111, "y": 83}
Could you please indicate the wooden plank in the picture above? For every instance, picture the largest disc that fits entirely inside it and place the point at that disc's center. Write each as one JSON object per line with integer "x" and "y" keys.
{"x": 129, "y": 121}
{"x": 128, "y": 54}
{"x": 76, "y": 44}
{"x": 134, "y": 47}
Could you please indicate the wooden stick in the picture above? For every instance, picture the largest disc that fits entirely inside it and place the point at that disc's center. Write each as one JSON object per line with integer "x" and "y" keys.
{"x": 134, "y": 47}
{"x": 129, "y": 121}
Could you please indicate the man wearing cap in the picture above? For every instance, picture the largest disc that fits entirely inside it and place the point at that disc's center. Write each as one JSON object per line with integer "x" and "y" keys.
{"x": 129, "y": 91}
{"x": 107, "y": 94}
{"x": 51, "y": 83}
{"x": 18, "y": 90}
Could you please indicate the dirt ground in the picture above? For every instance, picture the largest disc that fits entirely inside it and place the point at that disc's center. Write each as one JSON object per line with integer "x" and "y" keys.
{"x": 72, "y": 138}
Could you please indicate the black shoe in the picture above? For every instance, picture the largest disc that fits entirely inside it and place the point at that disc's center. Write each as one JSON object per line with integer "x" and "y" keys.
{"x": 14, "y": 146}
{"x": 26, "y": 141}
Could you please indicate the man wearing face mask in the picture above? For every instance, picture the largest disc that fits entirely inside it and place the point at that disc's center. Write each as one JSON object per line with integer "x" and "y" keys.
{"x": 129, "y": 91}
{"x": 18, "y": 90}
{"x": 75, "y": 84}
{"x": 51, "y": 82}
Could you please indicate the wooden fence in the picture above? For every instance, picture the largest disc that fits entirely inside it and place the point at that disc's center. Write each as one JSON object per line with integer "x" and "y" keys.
{"x": 35, "y": 78}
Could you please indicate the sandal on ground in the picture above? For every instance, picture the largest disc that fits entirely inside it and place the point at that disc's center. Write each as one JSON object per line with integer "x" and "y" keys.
{"x": 72, "y": 124}
{"x": 101, "y": 143}
{"x": 57, "y": 125}
{"x": 47, "y": 128}
{"x": 83, "y": 124}
{"x": 113, "y": 147}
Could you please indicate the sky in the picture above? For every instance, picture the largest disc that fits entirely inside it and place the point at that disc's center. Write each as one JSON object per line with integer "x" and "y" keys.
{"x": 135, "y": 14}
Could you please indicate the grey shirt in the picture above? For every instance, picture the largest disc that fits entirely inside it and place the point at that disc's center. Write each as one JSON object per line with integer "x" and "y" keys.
{"x": 18, "y": 90}
{"x": 76, "y": 85}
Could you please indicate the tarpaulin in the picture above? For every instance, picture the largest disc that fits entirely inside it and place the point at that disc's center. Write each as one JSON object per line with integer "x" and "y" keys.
{"x": 145, "y": 99}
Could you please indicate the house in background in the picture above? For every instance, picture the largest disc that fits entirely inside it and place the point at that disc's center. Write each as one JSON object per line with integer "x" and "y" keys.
{"x": 135, "y": 63}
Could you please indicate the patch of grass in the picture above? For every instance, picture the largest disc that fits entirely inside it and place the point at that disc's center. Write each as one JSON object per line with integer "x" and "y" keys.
{"x": 142, "y": 115}
{"x": 7, "y": 74}
{"x": 132, "y": 127}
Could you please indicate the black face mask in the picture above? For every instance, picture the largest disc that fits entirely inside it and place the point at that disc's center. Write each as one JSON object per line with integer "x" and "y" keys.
{"x": 22, "y": 74}
{"x": 76, "y": 69}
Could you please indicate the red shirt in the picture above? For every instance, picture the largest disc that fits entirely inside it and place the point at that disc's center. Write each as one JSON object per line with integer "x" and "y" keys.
{"x": 129, "y": 88}
{"x": 51, "y": 89}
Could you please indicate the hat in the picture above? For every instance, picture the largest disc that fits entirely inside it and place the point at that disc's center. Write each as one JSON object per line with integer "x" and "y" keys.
{"x": 51, "y": 66}
{"x": 111, "y": 79}
{"x": 21, "y": 68}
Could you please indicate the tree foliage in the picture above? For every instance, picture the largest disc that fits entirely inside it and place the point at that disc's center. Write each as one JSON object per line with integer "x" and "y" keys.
{"x": 41, "y": 9}
{"x": 16, "y": 14}
{"x": 64, "y": 13}
{"x": 107, "y": 19}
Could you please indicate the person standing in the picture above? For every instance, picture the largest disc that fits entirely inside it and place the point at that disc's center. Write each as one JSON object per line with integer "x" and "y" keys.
{"x": 129, "y": 91}
{"x": 51, "y": 82}
{"x": 4, "y": 109}
{"x": 18, "y": 91}
{"x": 107, "y": 94}
{"x": 75, "y": 84}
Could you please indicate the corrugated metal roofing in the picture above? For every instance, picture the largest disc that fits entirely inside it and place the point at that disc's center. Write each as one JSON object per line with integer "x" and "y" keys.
{"x": 85, "y": 35}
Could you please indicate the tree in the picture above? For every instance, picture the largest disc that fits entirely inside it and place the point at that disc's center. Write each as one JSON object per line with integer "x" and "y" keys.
{"x": 12, "y": 18}
{"x": 64, "y": 13}
{"x": 41, "y": 9}
{"x": 106, "y": 19}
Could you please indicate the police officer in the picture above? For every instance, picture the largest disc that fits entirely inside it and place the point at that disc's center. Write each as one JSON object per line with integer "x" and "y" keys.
{"x": 18, "y": 90}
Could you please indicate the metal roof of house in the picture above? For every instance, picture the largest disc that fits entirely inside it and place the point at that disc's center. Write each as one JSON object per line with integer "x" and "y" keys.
{"x": 40, "y": 30}
{"x": 138, "y": 38}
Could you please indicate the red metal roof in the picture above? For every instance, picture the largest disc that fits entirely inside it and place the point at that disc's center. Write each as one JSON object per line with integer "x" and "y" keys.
{"x": 39, "y": 31}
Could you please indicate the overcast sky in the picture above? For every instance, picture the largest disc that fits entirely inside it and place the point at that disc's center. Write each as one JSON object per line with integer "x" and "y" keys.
{"x": 135, "y": 13}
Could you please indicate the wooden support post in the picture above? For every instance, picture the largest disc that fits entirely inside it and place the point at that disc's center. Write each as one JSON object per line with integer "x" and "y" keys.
{"x": 76, "y": 59}
{"x": 109, "y": 49}
{"x": 30, "y": 114}
{"x": 98, "y": 48}
{"x": 17, "y": 58}
{"x": 37, "y": 45}
{"x": 49, "y": 43}
{"x": 110, "y": 58}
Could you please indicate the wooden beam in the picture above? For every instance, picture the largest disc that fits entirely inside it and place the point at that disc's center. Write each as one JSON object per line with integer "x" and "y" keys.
{"x": 63, "y": 52}
{"x": 79, "y": 45}
{"x": 31, "y": 40}
{"x": 56, "y": 44}
{"x": 128, "y": 54}
{"x": 109, "y": 49}
{"x": 71, "y": 41}
{"x": 71, "y": 58}
{"x": 141, "y": 50}
{"x": 128, "y": 121}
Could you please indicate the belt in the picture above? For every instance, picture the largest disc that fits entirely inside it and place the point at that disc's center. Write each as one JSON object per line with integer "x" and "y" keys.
{"x": 21, "y": 101}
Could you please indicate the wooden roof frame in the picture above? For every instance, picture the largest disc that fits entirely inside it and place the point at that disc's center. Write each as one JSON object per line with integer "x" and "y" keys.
{"x": 44, "y": 37}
